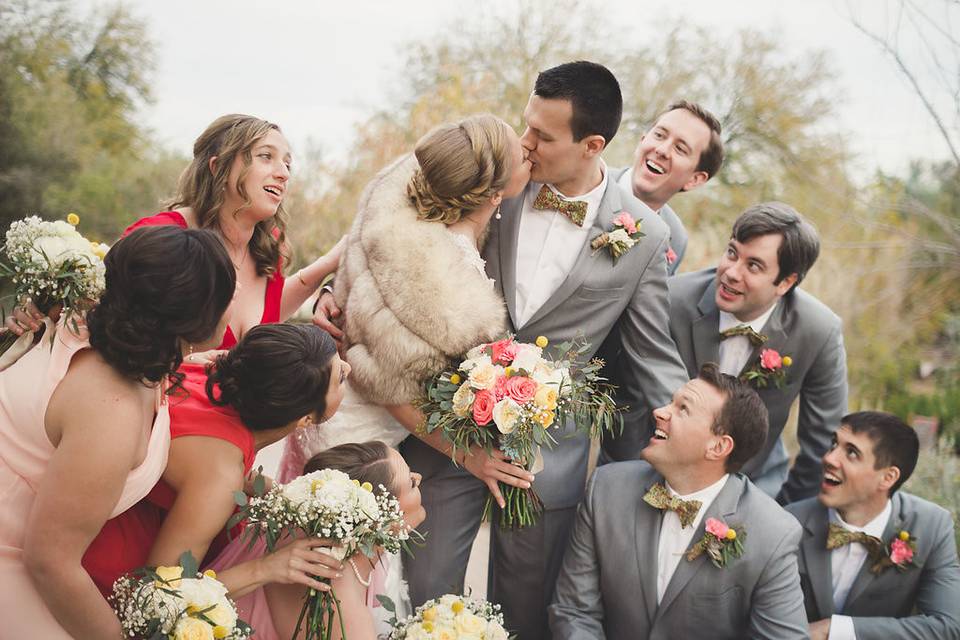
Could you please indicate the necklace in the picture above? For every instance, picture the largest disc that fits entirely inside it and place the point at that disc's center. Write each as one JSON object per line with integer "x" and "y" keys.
{"x": 246, "y": 250}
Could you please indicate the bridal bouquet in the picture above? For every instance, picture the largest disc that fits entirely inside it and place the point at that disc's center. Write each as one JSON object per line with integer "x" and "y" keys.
{"x": 165, "y": 603}
{"x": 51, "y": 263}
{"x": 326, "y": 504}
{"x": 454, "y": 618}
{"x": 509, "y": 395}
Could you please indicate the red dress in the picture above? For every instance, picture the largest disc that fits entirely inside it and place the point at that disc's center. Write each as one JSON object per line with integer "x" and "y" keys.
{"x": 125, "y": 542}
{"x": 271, "y": 302}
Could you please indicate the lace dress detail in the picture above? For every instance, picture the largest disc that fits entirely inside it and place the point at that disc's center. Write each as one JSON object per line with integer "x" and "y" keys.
{"x": 470, "y": 254}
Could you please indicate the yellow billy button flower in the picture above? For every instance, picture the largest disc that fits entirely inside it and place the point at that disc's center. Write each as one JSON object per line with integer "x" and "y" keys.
{"x": 73, "y": 219}
{"x": 786, "y": 361}
{"x": 542, "y": 342}
{"x": 457, "y": 606}
{"x": 455, "y": 379}
{"x": 904, "y": 535}
{"x": 210, "y": 573}
{"x": 366, "y": 486}
{"x": 731, "y": 534}
{"x": 430, "y": 615}
{"x": 428, "y": 626}
{"x": 508, "y": 371}
{"x": 220, "y": 631}
{"x": 356, "y": 482}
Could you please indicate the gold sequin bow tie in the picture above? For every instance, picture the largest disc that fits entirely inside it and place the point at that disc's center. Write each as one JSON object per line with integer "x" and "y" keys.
{"x": 838, "y": 536}
{"x": 659, "y": 498}
{"x": 575, "y": 210}
{"x": 756, "y": 339}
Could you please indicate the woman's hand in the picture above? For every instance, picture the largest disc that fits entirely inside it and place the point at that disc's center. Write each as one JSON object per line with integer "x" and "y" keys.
{"x": 249, "y": 487}
{"x": 204, "y": 357}
{"x": 301, "y": 562}
{"x": 494, "y": 468}
{"x": 27, "y": 317}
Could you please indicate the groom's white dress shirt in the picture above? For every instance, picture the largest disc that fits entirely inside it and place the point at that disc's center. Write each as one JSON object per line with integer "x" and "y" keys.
{"x": 735, "y": 350}
{"x": 674, "y": 539}
{"x": 845, "y": 563}
{"x": 548, "y": 246}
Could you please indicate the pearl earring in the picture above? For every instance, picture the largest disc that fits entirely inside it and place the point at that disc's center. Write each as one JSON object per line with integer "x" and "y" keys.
{"x": 497, "y": 214}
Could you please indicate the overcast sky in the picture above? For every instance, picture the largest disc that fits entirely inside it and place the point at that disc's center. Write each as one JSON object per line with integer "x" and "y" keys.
{"x": 317, "y": 67}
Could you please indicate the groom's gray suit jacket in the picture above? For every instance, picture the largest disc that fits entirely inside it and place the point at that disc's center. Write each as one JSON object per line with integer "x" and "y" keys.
{"x": 922, "y": 602}
{"x": 608, "y": 584}
{"x": 801, "y": 327}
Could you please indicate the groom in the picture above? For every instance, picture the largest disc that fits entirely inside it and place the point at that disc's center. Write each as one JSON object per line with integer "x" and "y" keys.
{"x": 554, "y": 285}
{"x": 629, "y": 571}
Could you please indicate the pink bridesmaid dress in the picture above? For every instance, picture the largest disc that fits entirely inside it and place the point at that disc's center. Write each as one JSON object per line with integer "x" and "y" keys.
{"x": 25, "y": 451}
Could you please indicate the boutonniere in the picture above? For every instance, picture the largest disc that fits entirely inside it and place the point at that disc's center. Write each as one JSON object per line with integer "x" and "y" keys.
{"x": 769, "y": 369}
{"x": 625, "y": 233}
{"x": 671, "y": 255}
{"x": 720, "y": 542}
{"x": 899, "y": 553}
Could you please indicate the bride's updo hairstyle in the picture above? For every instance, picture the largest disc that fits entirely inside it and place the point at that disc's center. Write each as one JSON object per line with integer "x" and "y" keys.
{"x": 164, "y": 286}
{"x": 276, "y": 374}
{"x": 362, "y": 461}
{"x": 461, "y": 166}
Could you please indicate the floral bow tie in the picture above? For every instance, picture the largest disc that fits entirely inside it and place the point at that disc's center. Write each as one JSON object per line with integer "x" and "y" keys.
{"x": 575, "y": 210}
{"x": 659, "y": 498}
{"x": 838, "y": 536}
{"x": 756, "y": 339}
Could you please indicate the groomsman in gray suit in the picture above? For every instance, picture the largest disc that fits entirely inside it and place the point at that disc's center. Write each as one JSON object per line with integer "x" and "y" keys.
{"x": 875, "y": 562}
{"x": 748, "y": 314}
{"x": 680, "y": 152}
{"x": 636, "y": 568}
{"x": 554, "y": 285}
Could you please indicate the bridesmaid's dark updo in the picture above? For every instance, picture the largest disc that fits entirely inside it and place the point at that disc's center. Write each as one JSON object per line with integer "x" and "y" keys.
{"x": 276, "y": 374}
{"x": 165, "y": 285}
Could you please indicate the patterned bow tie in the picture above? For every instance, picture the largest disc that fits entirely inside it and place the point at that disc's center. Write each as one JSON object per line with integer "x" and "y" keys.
{"x": 756, "y": 339}
{"x": 838, "y": 536}
{"x": 575, "y": 210}
{"x": 659, "y": 498}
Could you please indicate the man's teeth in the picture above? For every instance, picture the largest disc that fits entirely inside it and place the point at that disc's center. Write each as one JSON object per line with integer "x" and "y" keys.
{"x": 831, "y": 478}
{"x": 729, "y": 290}
{"x": 655, "y": 168}
{"x": 660, "y": 434}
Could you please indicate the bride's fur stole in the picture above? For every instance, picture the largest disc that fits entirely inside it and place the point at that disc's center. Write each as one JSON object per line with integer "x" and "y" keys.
{"x": 411, "y": 301}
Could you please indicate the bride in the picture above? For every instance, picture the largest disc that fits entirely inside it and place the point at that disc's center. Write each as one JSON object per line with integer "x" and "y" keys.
{"x": 411, "y": 283}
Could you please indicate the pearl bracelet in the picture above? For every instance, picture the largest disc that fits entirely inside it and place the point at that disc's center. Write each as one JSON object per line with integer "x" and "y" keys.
{"x": 366, "y": 582}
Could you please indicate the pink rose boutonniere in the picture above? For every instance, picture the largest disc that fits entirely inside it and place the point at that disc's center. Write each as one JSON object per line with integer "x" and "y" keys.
{"x": 770, "y": 369}
{"x": 671, "y": 255}
{"x": 899, "y": 553}
{"x": 720, "y": 542}
{"x": 625, "y": 233}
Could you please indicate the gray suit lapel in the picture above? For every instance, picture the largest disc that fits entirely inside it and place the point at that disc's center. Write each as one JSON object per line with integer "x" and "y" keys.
{"x": 776, "y": 337}
{"x": 706, "y": 328}
{"x": 817, "y": 560}
{"x": 723, "y": 507}
{"x": 647, "y": 535}
{"x": 508, "y": 227}
{"x": 609, "y": 205}
{"x": 866, "y": 577}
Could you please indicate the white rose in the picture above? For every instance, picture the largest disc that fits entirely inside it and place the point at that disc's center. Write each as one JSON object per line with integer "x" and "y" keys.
{"x": 469, "y": 625}
{"x": 505, "y": 415}
{"x": 470, "y": 364}
{"x": 202, "y": 592}
{"x": 495, "y": 631}
{"x": 528, "y": 357}
{"x": 483, "y": 376}
{"x": 368, "y": 504}
{"x": 50, "y": 250}
{"x": 463, "y": 400}
{"x": 476, "y": 352}
{"x": 621, "y": 235}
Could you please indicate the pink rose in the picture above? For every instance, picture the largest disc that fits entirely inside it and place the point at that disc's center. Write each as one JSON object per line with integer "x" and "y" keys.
{"x": 770, "y": 359}
{"x": 626, "y": 221}
{"x": 717, "y": 528}
{"x": 483, "y": 407}
{"x": 504, "y": 351}
{"x": 521, "y": 388}
{"x": 900, "y": 552}
{"x": 671, "y": 255}
{"x": 500, "y": 387}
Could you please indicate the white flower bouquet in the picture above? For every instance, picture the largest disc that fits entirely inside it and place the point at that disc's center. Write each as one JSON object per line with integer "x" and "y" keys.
{"x": 326, "y": 504}
{"x": 163, "y": 604}
{"x": 452, "y": 618}
{"x": 52, "y": 264}
{"x": 507, "y": 394}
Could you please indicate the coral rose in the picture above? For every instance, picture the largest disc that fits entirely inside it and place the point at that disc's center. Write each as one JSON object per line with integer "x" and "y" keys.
{"x": 521, "y": 388}
{"x": 503, "y": 351}
{"x": 770, "y": 359}
{"x": 717, "y": 528}
{"x": 483, "y": 405}
{"x": 900, "y": 552}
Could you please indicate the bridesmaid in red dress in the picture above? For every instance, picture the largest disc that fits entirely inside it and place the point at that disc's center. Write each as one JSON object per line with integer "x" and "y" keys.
{"x": 235, "y": 185}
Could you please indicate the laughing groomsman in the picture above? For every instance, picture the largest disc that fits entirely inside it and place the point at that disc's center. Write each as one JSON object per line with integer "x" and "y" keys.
{"x": 875, "y": 562}
{"x": 679, "y": 544}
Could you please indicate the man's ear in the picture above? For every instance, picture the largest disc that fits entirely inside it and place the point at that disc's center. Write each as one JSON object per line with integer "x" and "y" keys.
{"x": 785, "y": 284}
{"x": 720, "y": 448}
{"x": 697, "y": 179}
{"x": 593, "y": 145}
{"x": 889, "y": 478}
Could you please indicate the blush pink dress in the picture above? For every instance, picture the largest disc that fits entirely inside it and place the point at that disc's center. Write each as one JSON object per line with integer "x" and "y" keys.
{"x": 25, "y": 451}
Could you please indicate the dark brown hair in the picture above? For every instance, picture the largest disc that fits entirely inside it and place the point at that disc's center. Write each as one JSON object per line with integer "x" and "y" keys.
{"x": 800, "y": 246}
{"x": 895, "y": 443}
{"x": 276, "y": 374}
{"x": 594, "y": 95}
{"x": 362, "y": 461}
{"x": 743, "y": 416}
{"x": 712, "y": 157}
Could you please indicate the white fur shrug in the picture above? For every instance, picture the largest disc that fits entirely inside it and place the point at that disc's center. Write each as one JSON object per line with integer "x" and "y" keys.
{"x": 410, "y": 300}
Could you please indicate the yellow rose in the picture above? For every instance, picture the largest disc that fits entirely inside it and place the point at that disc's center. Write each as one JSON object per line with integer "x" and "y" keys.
{"x": 904, "y": 535}
{"x": 169, "y": 576}
{"x": 366, "y": 486}
{"x": 546, "y": 398}
{"x": 192, "y": 629}
{"x": 542, "y": 342}
{"x": 463, "y": 401}
{"x": 731, "y": 534}
{"x": 222, "y": 615}
{"x": 786, "y": 361}
{"x": 210, "y": 573}
{"x": 469, "y": 624}
{"x": 220, "y": 632}
{"x": 455, "y": 378}
{"x": 545, "y": 418}
{"x": 430, "y": 614}
{"x": 73, "y": 219}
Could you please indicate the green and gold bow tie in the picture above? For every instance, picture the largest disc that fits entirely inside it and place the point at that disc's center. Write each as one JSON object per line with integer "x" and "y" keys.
{"x": 575, "y": 210}
{"x": 659, "y": 498}
{"x": 756, "y": 339}
{"x": 838, "y": 536}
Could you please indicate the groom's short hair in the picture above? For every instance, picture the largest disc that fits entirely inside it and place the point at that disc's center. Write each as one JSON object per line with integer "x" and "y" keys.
{"x": 743, "y": 417}
{"x": 895, "y": 443}
{"x": 592, "y": 90}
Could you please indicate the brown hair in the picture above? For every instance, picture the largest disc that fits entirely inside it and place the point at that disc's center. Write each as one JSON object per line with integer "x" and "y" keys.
{"x": 800, "y": 246}
{"x": 895, "y": 443}
{"x": 362, "y": 461}
{"x": 712, "y": 157}
{"x": 201, "y": 189}
{"x": 461, "y": 165}
{"x": 743, "y": 416}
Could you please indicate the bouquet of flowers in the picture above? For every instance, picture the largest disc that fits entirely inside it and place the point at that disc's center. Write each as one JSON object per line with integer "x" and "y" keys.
{"x": 452, "y": 617}
{"x": 166, "y": 604}
{"x": 52, "y": 264}
{"x": 326, "y": 504}
{"x": 507, "y": 394}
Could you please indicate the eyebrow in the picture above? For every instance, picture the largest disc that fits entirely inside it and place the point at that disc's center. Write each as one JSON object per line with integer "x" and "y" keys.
{"x": 272, "y": 147}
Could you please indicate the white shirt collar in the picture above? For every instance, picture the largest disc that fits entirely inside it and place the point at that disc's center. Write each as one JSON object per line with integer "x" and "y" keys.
{"x": 705, "y": 495}
{"x": 592, "y": 197}
{"x": 728, "y": 320}
{"x": 873, "y": 528}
